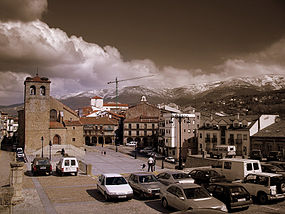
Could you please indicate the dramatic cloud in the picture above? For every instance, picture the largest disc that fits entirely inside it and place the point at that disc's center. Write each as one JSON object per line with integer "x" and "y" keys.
{"x": 22, "y": 10}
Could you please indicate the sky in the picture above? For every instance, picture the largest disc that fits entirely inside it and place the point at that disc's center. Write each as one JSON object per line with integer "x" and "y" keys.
{"x": 82, "y": 45}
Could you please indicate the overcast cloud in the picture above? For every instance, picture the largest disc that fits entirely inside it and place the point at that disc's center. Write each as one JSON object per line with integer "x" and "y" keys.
{"x": 72, "y": 64}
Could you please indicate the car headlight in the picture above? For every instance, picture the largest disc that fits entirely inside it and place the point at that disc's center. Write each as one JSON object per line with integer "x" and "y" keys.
{"x": 224, "y": 208}
{"x": 148, "y": 190}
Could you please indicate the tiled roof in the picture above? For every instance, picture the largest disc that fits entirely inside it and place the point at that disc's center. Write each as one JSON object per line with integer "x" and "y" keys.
{"x": 98, "y": 121}
{"x": 37, "y": 79}
{"x": 114, "y": 104}
{"x": 275, "y": 130}
{"x": 96, "y": 97}
{"x": 72, "y": 123}
{"x": 56, "y": 125}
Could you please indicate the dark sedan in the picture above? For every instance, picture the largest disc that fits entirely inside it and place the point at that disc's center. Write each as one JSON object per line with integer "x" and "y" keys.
{"x": 41, "y": 166}
{"x": 205, "y": 176}
{"x": 234, "y": 196}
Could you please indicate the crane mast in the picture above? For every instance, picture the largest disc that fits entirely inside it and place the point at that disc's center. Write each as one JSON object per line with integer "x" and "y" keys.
{"x": 117, "y": 81}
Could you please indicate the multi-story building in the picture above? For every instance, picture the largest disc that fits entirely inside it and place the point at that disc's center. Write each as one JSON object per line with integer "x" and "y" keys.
{"x": 231, "y": 130}
{"x": 177, "y": 130}
{"x": 102, "y": 129}
{"x": 12, "y": 126}
{"x": 141, "y": 124}
{"x": 271, "y": 138}
{"x": 3, "y": 124}
{"x": 45, "y": 120}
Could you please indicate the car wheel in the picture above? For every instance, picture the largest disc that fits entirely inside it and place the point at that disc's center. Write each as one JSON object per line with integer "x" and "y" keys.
{"x": 262, "y": 198}
{"x": 75, "y": 173}
{"x": 282, "y": 187}
{"x": 164, "y": 202}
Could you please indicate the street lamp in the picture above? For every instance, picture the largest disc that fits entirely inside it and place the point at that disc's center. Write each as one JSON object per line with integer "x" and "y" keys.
{"x": 50, "y": 149}
{"x": 179, "y": 117}
{"x": 42, "y": 139}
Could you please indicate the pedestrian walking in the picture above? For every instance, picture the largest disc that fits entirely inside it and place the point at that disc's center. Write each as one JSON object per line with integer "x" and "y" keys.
{"x": 150, "y": 162}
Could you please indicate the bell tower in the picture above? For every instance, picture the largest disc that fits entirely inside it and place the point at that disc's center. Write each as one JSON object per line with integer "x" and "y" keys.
{"x": 36, "y": 112}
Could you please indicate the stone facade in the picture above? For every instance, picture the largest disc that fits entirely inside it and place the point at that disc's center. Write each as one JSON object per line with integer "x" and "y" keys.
{"x": 45, "y": 119}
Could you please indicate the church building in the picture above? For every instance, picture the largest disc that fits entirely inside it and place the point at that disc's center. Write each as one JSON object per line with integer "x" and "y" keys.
{"x": 46, "y": 121}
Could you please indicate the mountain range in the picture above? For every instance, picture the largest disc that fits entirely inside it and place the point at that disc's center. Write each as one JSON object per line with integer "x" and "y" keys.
{"x": 205, "y": 96}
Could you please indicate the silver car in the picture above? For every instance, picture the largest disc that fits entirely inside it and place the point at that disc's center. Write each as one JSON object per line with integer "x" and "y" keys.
{"x": 188, "y": 197}
{"x": 175, "y": 176}
{"x": 144, "y": 184}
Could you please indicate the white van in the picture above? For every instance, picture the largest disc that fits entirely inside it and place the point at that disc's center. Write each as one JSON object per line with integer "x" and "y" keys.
{"x": 237, "y": 168}
{"x": 67, "y": 165}
{"x": 222, "y": 151}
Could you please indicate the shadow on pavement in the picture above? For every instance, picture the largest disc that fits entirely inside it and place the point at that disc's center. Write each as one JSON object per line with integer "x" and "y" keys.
{"x": 96, "y": 194}
{"x": 156, "y": 205}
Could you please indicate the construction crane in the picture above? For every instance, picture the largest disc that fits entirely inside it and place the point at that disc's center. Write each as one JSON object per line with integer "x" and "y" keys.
{"x": 117, "y": 81}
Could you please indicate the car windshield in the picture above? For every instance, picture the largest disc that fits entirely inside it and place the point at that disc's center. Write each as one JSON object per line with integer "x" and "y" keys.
{"x": 147, "y": 179}
{"x": 275, "y": 168}
{"x": 196, "y": 193}
{"x": 115, "y": 181}
{"x": 43, "y": 162}
{"x": 180, "y": 176}
{"x": 212, "y": 173}
{"x": 236, "y": 190}
{"x": 276, "y": 180}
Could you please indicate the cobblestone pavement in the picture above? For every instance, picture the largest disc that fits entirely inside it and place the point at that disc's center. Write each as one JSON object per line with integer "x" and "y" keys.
{"x": 78, "y": 194}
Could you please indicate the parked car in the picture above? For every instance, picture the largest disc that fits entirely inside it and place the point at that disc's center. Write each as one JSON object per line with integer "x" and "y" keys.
{"x": 144, "y": 184}
{"x": 156, "y": 155}
{"x": 146, "y": 150}
{"x": 131, "y": 143}
{"x": 114, "y": 186}
{"x": 171, "y": 177}
{"x": 170, "y": 159}
{"x": 265, "y": 186}
{"x": 189, "y": 196}
{"x": 266, "y": 167}
{"x": 41, "y": 166}
{"x": 67, "y": 165}
{"x": 222, "y": 151}
{"x": 280, "y": 164}
{"x": 237, "y": 168}
{"x": 274, "y": 156}
{"x": 205, "y": 176}
{"x": 233, "y": 195}
{"x": 256, "y": 154}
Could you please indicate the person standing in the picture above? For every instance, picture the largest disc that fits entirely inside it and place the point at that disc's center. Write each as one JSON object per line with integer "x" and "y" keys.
{"x": 150, "y": 162}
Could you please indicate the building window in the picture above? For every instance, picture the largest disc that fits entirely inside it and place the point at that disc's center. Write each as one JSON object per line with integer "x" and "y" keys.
{"x": 53, "y": 115}
{"x": 200, "y": 135}
{"x": 138, "y": 133}
{"x": 130, "y": 126}
{"x": 33, "y": 90}
{"x": 130, "y": 133}
{"x": 153, "y": 126}
{"x": 245, "y": 137}
{"x": 73, "y": 127}
{"x": 145, "y": 126}
{"x": 42, "y": 91}
{"x": 73, "y": 139}
{"x": 138, "y": 126}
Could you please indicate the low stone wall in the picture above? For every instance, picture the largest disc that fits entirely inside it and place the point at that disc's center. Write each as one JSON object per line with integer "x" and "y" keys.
{"x": 198, "y": 161}
{"x": 85, "y": 168}
{"x": 6, "y": 194}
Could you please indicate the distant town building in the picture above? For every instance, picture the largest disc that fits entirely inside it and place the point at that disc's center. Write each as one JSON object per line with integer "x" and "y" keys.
{"x": 232, "y": 130}
{"x": 102, "y": 129}
{"x": 97, "y": 105}
{"x": 3, "y": 124}
{"x": 12, "y": 125}
{"x": 271, "y": 138}
{"x": 45, "y": 120}
{"x": 171, "y": 123}
{"x": 141, "y": 124}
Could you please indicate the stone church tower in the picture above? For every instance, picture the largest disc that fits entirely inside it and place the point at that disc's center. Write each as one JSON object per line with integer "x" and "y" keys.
{"x": 36, "y": 112}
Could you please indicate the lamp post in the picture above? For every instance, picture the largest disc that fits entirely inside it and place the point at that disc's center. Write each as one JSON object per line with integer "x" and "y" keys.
{"x": 180, "y": 117}
{"x": 42, "y": 139}
{"x": 50, "y": 149}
